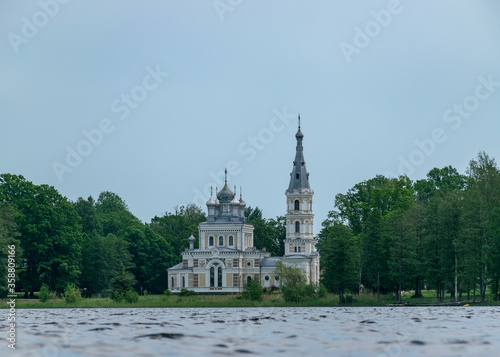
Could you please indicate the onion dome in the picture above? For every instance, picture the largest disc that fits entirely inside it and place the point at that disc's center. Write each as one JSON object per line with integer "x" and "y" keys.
{"x": 211, "y": 201}
{"x": 225, "y": 195}
{"x": 235, "y": 201}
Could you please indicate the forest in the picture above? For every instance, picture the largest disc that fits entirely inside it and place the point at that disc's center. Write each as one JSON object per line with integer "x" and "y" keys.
{"x": 389, "y": 235}
{"x": 383, "y": 236}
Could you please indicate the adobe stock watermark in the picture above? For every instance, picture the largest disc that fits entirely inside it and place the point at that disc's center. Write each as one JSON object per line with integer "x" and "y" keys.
{"x": 223, "y": 6}
{"x": 454, "y": 117}
{"x": 122, "y": 108}
{"x": 32, "y": 25}
{"x": 249, "y": 148}
{"x": 363, "y": 36}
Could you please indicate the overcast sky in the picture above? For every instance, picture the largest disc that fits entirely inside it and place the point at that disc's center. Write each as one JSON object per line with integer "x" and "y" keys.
{"x": 152, "y": 100}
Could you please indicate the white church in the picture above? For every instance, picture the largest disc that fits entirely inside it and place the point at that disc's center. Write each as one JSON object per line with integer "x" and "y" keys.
{"x": 227, "y": 258}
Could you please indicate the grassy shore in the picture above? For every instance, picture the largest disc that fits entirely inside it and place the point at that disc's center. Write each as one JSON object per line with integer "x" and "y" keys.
{"x": 272, "y": 300}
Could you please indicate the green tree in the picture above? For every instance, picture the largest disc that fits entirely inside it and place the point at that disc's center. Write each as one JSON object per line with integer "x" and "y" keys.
{"x": 268, "y": 233}
{"x": 50, "y": 233}
{"x": 484, "y": 180}
{"x": 177, "y": 227}
{"x": 292, "y": 282}
{"x": 363, "y": 209}
{"x": 402, "y": 263}
{"x": 339, "y": 251}
{"x": 124, "y": 281}
{"x": 9, "y": 236}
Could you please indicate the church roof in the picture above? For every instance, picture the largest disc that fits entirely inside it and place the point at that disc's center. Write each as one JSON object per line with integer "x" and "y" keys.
{"x": 176, "y": 267}
{"x": 270, "y": 261}
{"x": 299, "y": 177}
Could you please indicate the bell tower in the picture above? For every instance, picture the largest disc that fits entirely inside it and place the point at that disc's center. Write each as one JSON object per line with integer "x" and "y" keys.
{"x": 299, "y": 217}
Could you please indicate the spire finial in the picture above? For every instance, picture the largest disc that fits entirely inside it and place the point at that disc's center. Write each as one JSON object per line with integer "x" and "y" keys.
{"x": 225, "y": 175}
{"x": 211, "y": 192}
{"x": 240, "y": 192}
{"x": 299, "y": 121}
{"x": 235, "y": 190}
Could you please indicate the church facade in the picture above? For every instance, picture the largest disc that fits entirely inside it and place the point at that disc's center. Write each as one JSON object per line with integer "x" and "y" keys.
{"x": 227, "y": 258}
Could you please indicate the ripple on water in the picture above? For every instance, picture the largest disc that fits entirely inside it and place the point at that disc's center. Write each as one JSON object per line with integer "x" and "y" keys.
{"x": 264, "y": 331}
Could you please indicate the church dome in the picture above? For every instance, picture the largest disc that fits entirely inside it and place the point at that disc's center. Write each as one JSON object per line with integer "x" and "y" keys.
{"x": 225, "y": 195}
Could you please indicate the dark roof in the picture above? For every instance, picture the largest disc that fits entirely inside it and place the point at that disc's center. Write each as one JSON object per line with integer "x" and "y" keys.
{"x": 270, "y": 261}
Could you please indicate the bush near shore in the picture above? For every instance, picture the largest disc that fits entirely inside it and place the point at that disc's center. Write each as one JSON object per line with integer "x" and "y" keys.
{"x": 237, "y": 300}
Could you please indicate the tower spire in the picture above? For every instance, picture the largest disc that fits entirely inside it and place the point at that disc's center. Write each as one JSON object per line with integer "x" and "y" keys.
{"x": 225, "y": 175}
{"x": 299, "y": 177}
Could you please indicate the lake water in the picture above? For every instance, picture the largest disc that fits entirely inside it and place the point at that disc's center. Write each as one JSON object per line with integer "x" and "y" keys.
{"x": 355, "y": 331}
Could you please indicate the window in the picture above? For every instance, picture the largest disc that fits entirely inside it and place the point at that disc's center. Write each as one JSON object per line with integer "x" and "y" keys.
{"x": 297, "y": 205}
{"x": 249, "y": 278}
{"x": 249, "y": 263}
{"x": 221, "y": 240}
{"x": 297, "y": 176}
{"x": 183, "y": 282}
{"x": 297, "y": 227}
{"x": 172, "y": 282}
{"x": 276, "y": 278}
{"x": 231, "y": 240}
{"x": 212, "y": 277}
{"x": 266, "y": 277}
{"x": 219, "y": 277}
{"x": 211, "y": 241}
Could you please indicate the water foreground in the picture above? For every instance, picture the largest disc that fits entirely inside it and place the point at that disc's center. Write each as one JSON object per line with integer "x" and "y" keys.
{"x": 344, "y": 331}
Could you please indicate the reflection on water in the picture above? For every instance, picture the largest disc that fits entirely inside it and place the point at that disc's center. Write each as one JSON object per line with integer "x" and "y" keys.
{"x": 384, "y": 331}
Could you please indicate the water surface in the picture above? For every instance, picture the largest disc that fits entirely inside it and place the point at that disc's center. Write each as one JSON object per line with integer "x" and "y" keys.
{"x": 356, "y": 331}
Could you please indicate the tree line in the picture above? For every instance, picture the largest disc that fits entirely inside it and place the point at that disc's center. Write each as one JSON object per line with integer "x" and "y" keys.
{"x": 388, "y": 235}
{"x": 98, "y": 245}
{"x": 384, "y": 235}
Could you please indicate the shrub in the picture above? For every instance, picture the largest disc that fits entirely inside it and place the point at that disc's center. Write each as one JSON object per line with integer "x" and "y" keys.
{"x": 44, "y": 294}
{"x": 167, "y": 292}
{"x": 310, "y": 291}
{"x": 253, "y": 290}
{"x": 346, "y": 300}
{"x": 322, "y": 292}
{"x": 186, "y": 292}
{"x": 131, "y": 296}
{"x": 118, "y": 297}
{"x": 72, "y": 294}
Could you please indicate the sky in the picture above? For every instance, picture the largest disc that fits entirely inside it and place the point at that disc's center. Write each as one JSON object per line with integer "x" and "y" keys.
{"x": 153, "y": 100}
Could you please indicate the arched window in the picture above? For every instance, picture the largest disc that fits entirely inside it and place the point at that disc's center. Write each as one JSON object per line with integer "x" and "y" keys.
{"x": 183, "y": 282}
{"x": 249, "y": 278}
{"x": 297, "y": 205}
{"x": 172, "y": 282}
{"x": 221, "y": 240}
{"x": 211, "y": 241}
{"x": 212, "y": 277}
{"x": 219, "y": 277}
{"x": 297, "y": 227}
{"x": 231, "y": 240}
